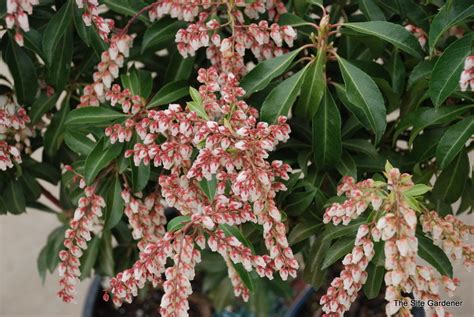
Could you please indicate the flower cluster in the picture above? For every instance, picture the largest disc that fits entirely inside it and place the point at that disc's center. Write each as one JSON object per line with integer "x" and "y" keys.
{"x": 232, "y": 148}
{"x": 467, "y": 76}
{"x": 448, "y": 233}
{"x": 107, "y": 70}
{"x": 17, "y": 17}
{"x": 146, "y": 218}
{"x": 264, "y": 40}
{"x": 86, "y": 218}
{"x": 393, "y": 221}
{"x": 345, "y": 288}
{"x": 359, "y": 196}
{"x": 91, "y": 15}
{"x": 13, "y": 126}
{"x": 419, "y": 33}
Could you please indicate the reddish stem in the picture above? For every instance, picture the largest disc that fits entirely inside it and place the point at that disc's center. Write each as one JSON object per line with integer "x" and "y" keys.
{"x": 51, "y": 197}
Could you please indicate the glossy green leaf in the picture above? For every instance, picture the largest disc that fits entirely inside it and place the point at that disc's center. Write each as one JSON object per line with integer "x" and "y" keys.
{"x": 346, "y": 165}
{"x": 453, "y": 141}
{"x": 138, "y": 81}
{"x": 447, "y": 70}
{"x": 54, "y": 135}
{"x": 374, "y": 281}
{"x": 23, "y": 72}
{"x": 259, "y": 77}
{"x": 99, "y": 158}
{"x": 421, "y": 71}
{"x": 160, "y": 32}
{"x": 59, "y": 70}
{"x": 417, "y": 190}
{"x": 42, "y": 105}
{"x": 169, "y": 93}
{"x": 338, "y": 250}
{"x": 196, "y": 105}
{"x": 14, "y": 197}
{"x": 140, "y": 176}
{"x": 312, "y": 271}
{"x": 56, "y": 28}
{"x": 333, "y": 232}
{"x": 451, "y": 14}
{"x": 78, "y": 142}
{"x": 371, "y": 11}
{"x": 390, "y": 32}
{"x": 280, "y": 100}
{"x": 366, "y": 101}
{"x": 177, "y": 223}
{"x": 114, "y": 206}
{"x": 450, "y": 183}
{"x": 127, "y": 7}
{"x": 232, "y": 231}
{"x": 327, "y": 143}
{"x": 209, "y": 188}
{"x": 105, "y": 261}
{"x": 302, "y": 231}
{"x": 89, "y": 257}
{"x": 313, "y": 87}
{"x": 92, "y": 116}
{"x": 434, "y": 255}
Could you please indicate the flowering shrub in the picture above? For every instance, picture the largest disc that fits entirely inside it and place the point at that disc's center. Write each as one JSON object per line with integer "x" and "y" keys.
{"x": 181, "y": 130}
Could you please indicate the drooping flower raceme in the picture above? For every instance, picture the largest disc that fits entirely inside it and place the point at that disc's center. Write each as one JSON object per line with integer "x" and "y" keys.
{"x": 393, "y": 220}
{"x": 17, "y": 17}
{"x": 14, "y": 132}
{"x": 86, "y": 218}
{"x": 232, "y": 149}
{"x": 91, "y": 16}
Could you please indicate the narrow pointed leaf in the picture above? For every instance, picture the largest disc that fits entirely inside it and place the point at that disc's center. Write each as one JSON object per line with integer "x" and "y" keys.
{"x": 453, "y": 141}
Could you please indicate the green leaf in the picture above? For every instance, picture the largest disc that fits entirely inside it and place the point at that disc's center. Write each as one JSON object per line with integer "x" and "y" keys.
{"x": 374, "y": 281}
{"x": 89, "y": 258}
{"x": 366, "y": 101}
{"x": 23, "y": 71}
{"x": 450, "y": 183}
{"x": 58, "y": 72}
{"x": 138, "y": 81}
{"x": 78, "y": 142}
{"x": 232, "y": 231}
{"x": 425, "y": 117}
{"x": 280, "y": 100}
{"x": 169, "y": 93}
{"x": 33, "y": 41}
{"x": 127, "y": 7}
{"x": 371, "y": 11}
{"x": 81, "y": 28}
{"x": 346, "y": 165}
{"x": 114, "y": 206}
{"x": 327, "y": 143}
{"x": 302, "y": 231}
{"x": 333, "y": 232}
{"x": 42, "y": 105}
{"x": 140, "y": 176}
{"x": 161, "y": 32}
{"x": 434, "y": 255}
{"x": 448, "y": 68}
{"x": 297, "y": 203}
{"x": 196, "y": 105}
{"x": 313, "y": 87}
{"x": 92, "y": 116}
{"x": 209, "y": 188}
{"x": 421, "y": 71}
{"x": 312, "y": 271}
{"x": 57, "y": 26}
{"x": 417, "y": 190}
{"x": 48, "y": 258}
{"x": 359, "y": 146}
{"x": 14, "y": 197}
{"x": 390, "y": 32}
{"x": 259, "y": 77}
{"x": 54, "y": 135}
{"x": 177, "y": 223}
{"x": 99, "y": 158}
{"x": 179, "y": 68}
{"x": 106, "y": 261}
{"x": 339, "y": 249}
{"x": 453, "y": 141}
{"x": 452, "y": 13}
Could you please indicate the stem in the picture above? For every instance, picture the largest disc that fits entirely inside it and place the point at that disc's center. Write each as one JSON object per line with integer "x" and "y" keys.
{"x": 51, "y": 197}
{"x": 135, "y": 16}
